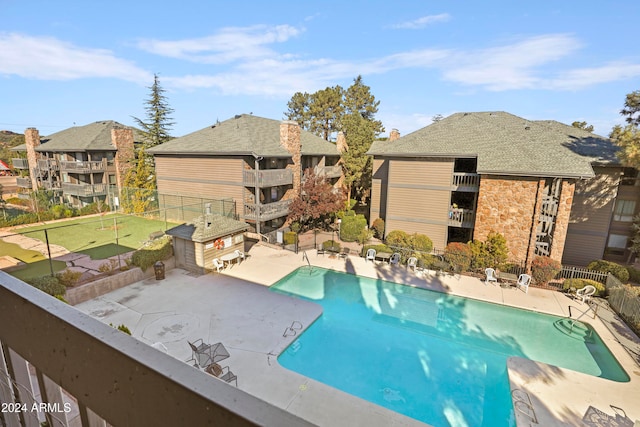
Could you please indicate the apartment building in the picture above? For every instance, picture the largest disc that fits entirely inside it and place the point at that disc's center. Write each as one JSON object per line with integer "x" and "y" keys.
{"x": 257, "y": 162}
{"x": 81, "y": 165}
{"x": 549, "y": 188}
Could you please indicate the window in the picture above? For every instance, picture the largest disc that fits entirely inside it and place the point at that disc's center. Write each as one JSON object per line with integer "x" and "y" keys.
{"x": 617, "y": 241}
{"x": 624, "y": 210}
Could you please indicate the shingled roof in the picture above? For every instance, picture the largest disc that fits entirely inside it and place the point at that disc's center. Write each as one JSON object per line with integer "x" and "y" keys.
{"x": 208, "y": 227}
{"x": 505, "y": 144}
{"x": 244, "y": 134}
{"x": 92, "y": 137}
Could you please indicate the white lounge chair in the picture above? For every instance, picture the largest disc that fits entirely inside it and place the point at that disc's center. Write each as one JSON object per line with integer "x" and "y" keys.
{"x": 490, "y": 274}
{"x": 412, "y": 263}
{"x": 371, "y": 255}
{"x": 240, "y": 255}
{"x": 523, "y": 282}
{"x": 395, "y": 259}
{"x": 219, "y": 265}
{"x": 584, "y": 294}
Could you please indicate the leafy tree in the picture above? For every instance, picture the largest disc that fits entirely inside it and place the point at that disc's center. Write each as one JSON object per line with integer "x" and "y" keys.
{"x": 317, "y": 202}
{"x": 628, "y": 137}
{"x": 583, "y": 126}
{"x": 140, "y": 185}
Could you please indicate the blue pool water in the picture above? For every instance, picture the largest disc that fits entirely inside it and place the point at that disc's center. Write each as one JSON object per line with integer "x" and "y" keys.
{"x": 431, "y": 356}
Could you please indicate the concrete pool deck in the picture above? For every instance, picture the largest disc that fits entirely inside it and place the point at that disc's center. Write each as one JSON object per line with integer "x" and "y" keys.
{"x": 237, "y": 309}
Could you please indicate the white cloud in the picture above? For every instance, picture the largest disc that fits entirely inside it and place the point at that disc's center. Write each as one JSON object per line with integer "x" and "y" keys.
{"x": 514, "y": 66}
{"x": 419, "y": 23}
{"x": 47, "y": 58}
{"x": 227, "y": 45}
{"x": 584, "y": 77}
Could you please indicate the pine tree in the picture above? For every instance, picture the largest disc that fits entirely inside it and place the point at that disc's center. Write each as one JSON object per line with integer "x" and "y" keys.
{"x": 359, "y": 134}
{"x": 628, "y": 137}
{"x": 158, "y": 124}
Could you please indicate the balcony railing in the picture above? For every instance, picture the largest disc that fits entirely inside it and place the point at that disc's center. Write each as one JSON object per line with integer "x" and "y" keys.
{"x": 48, "y": 164}
{"x": 114, "y": 377}
{"x": 84, "y": 190}
{"x": 82, "y": 167}
{"x": 464, "y": 218}
{"x": 334, "y": 171}
{"x": 469, "y": 182}
{"x": 268, "y": 177}
{"x": 267, "y": 211}
{"x": 23, "y": 182}
{"x": 20, "y": 163}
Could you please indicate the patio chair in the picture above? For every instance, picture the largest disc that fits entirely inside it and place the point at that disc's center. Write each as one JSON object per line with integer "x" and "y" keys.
{"x": 201, "y": 353}
{"x": 219, "y": 372}
{"x": 240, "y": 255}
{"x": 345, "y": 252}
{"x": 490, "y": 274}
{"x": 219, "y": 265}
{"x": 523, "y": 282}
{"x": 584, "y": 294}
{"x": 395, "y": 259}
{"x": 320, "y": 250}
{"x": 412, "y": 263}
{"x": 371, "y": 255}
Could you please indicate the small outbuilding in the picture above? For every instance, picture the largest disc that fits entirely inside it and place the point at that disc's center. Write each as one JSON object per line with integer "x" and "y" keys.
{"x": 195, "y": 245}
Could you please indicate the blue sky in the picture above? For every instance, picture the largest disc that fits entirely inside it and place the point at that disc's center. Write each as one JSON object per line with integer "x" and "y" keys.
{"x": 76, "y": 62}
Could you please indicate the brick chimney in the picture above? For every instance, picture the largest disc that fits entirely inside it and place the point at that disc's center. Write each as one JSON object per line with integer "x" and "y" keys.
{"x": 122, "y": 139}
{"x": 341, "y": 143}
{"x": 394, "y": 134}
{"x": 32, "y": 140}
{"x": 290, "y": 140}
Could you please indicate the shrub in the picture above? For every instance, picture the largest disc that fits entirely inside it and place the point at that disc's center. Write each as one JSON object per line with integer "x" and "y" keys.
{"x": 365, "y": 235}
{"x": 493, "y": 252}
{"x": 377, "y": 248}
{"x": 351, "y": 227}
{"x": 69, "y": 278}
{"x": 610, "y": 267}
{"x": 634, "y": 274}
{"x": 397, "y": 238}
{"x": 421, "y": 242}
{"x": 290, "y": 237}
{"x": 378, "y": 227}
{"x": 108, "y": 266}
{"x": 544, "y": 269}
{"x": 458, "y": 255}
{"x": 48, "y": 284}
{"x": 330, "y": 244}
{"x": 157, "y": 250}
{"x": 581, "y": 283}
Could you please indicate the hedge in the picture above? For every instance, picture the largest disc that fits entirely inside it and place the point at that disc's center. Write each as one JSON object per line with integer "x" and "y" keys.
{"x": 458, "y": 255}
{"x": 48, "y": 284}
{"x": 610, "y": 267}
{"x": 351, "y": 227}
{"x": 581, "y": 283}
{"x": 544, "y": 269}
{"x": 158, "y": 250}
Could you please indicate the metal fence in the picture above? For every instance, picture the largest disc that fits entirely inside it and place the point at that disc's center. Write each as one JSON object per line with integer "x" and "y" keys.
{"x": 575, "y": 272}
{"x": 624, "y": 301}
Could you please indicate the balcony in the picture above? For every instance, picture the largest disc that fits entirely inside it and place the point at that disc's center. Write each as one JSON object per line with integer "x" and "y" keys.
{"x": 20, "y": 163}
{"x": 23, "y": 182}
{"x": 266, "y": 212}
{"x": 334, "y": 171}
{"x": 108, "y": 376}
{"x": 48, "y": 164}
{"x": 82, "y": 167}
{"x": 468, "y": 182}
{"x": 267, "y": 178}
{"x": 464, "y": 218}
{"x": 84, "y": 190}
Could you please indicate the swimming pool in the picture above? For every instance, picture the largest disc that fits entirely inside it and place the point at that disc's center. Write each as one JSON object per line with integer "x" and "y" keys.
{"x": 434, "y": 357}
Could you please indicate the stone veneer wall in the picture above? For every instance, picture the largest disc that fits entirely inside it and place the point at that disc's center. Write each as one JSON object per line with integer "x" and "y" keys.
{"x": 508, "y": 206}
{"x": 32, "y": 140}
{"x": 290, "y": 140}
{"x": 122, "y": 139}
{"x": 562, "y": 219}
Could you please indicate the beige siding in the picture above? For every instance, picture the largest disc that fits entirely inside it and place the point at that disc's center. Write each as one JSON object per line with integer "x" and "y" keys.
{"x": 185, "y": 255}
{"x": 205, "y": 177}
{"x": 591, "y": 216}
{"x": 418, "y": 197}
{"x": 378, "y": 189}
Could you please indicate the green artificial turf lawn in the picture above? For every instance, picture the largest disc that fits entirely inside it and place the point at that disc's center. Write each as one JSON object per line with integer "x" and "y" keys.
{"x": 96, "y": 236}
{"x": 36, "y": 264}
